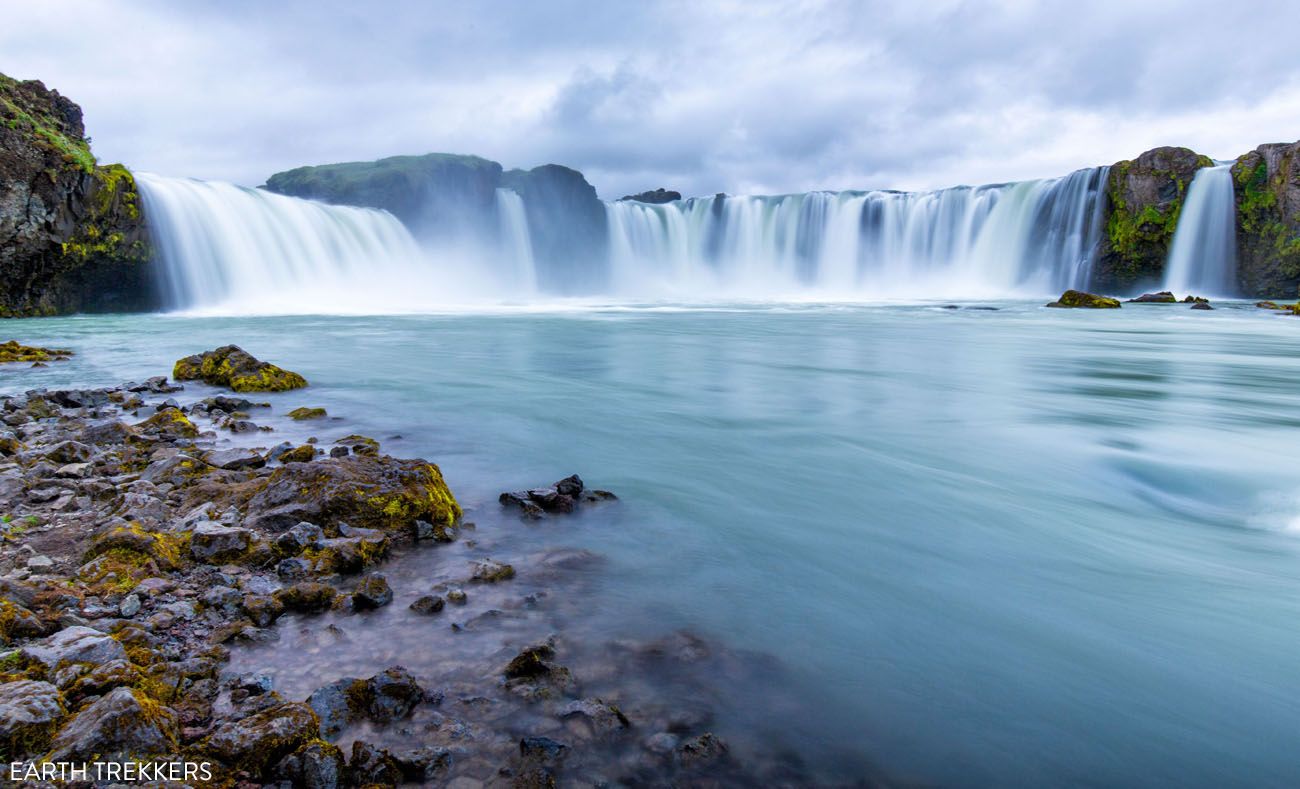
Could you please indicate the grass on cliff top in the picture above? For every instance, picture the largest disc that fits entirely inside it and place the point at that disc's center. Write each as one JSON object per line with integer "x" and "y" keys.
{"x": 19, "y": 115}
{"x": 345, "y": 174}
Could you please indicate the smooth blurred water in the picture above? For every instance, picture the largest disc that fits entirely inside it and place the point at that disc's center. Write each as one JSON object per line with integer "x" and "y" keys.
{"x": 1013, "y": 547}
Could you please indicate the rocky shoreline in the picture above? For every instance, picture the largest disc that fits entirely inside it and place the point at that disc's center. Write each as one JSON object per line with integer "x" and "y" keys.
{"x": 142, "y": 548}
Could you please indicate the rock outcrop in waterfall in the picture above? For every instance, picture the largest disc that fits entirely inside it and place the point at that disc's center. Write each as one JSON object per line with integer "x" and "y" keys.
{"x": 446, "y": 198}
{"x": 71, "y": 233}
{"x": 1267, "y": 186}
{"x": 1144, "y": 199}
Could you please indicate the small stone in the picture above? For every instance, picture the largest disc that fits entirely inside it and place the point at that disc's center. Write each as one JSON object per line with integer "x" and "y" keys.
{"x": 75, "y": 644}
{"x": 299, "y": 414}
{"x": 490, "y": 571}
{"x": 39, "y": 563}
{"x": 212, "y": 542}
{"x": 130, "y": 606}
{"x": 457, "y": 596}
{"x": 372, "y": 592}
{"x": 428, "y": 604}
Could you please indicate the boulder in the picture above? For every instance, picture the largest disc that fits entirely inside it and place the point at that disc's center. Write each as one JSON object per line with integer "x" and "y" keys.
{"x": 170, "y": 423}
{"x": 235, "y": 459}
{"x": 490, "y": 571}
{"x": 372, "y": 592}
{"x": 213, "y": 543}
{"x": 302, "y": 413}
{"x": 30, "y": 713}
{"x": 422, "y": 765}
{"x": 307, "y": 597}
{"x": 656, "y": 196}
{"x": 338, "y": 704}
{"x": 1163, "y": 297}
{"x": 704, "y": 749}
{"x": 12, "y": 351}
{"x": 378, "y": 492}
{"x": 121, "y": 725}
{"x": 261, "y": 740}
{"x": 1202, "y": 305}
{"x": 1077, "y": 298}
{"x": 66, "y": 452}
{"x": 316, "y": 765}
{"x": 372, "y": 766}
{"x": 428, "y": 604}
{"x": 392, "y": 694}
{"x": 233, "y": 367}
{"x": 76, "y": 644}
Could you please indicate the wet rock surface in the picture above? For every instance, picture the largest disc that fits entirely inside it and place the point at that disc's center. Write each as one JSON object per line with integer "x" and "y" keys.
{"x": 173, "y": 594}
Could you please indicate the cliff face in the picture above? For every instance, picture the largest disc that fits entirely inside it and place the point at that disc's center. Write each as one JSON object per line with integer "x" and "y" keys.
{"x": 71, "y": 234}
{"x": 445, "y": 198}
{"x": 1145, "y": 196}
{"x": 438, "y": 196}
{"x": 1266, "y": 184}
{"x": 568, "y": 225}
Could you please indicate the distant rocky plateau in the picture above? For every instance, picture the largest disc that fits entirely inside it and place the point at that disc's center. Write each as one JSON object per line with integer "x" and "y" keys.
{"x": 73, "y": 232}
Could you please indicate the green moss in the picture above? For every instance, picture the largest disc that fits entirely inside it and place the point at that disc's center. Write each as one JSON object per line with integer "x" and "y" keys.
{"x": 302, "y": 454}
{"x": 172, "y": 422}
{"x": 1077, "y": 299}
{"x": 302, "y": 413}
{"x": 12, "y": 351}
{"x": 43, "y": 127}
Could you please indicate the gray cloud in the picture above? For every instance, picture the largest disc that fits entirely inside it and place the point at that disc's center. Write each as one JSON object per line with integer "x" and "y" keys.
{"x": 702, "y": 97}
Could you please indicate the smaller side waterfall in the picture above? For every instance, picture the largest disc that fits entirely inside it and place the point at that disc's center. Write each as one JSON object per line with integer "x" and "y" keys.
{"x": 516, "y": 242}
{"x": 1203, "y": 256}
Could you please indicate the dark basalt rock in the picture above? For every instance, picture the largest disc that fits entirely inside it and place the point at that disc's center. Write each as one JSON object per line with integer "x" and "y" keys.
{"x": 562, "y": 497}
{"x": 372, "y": 592}
{"x": 428, "y": 604}
{"x": 124, "y": 724}
{"x": 71, "y": 232}
{"x": 1202, "y": 305}
{"x": 659, "y": 195}
{"x": 372, "y": 766}
{"x": 262, "y": 740}
{"x": 316, "y": 765}
{"x": 1144, "y": 198}
{"x": 1163, "y": 297}
{"x": 1266, "y": 184}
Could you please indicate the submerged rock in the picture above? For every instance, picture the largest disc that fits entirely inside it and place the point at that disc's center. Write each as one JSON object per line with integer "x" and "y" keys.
{"x": 1078, "y": 298}
{"x": 1202, "y": 305}
{"x": 234, "y": 367}
{"x": 561, "y": 497}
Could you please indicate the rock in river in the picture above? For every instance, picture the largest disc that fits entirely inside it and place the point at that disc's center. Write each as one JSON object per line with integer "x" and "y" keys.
{"x": 1077, "y": 298}
{"x": 234, "y": 367}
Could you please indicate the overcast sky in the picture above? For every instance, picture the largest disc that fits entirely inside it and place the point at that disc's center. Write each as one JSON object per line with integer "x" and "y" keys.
{"x": 741, "y": 97}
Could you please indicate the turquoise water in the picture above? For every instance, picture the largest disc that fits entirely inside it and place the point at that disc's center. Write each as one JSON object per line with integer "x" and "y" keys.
{"x": 992, "y": 547}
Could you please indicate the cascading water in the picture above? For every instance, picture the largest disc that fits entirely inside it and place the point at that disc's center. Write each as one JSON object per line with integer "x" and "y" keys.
{"x": 1203, "y": 256}
{"x": 516, "y": 242}
{"x": 229, "y": 248}
{"x": 1033, "y": 237}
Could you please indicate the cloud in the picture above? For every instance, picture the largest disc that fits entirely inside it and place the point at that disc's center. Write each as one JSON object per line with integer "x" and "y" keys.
{"x": 701, "y": 97}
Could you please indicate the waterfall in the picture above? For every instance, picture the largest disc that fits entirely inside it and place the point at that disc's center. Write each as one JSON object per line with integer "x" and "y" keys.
{"x": 230, "y": 248}
{"x": 516, "y": 242}
{"x": 226, "y": 248}
{"x": 1203, "y": 256}
{"x": 1033, "y": 237}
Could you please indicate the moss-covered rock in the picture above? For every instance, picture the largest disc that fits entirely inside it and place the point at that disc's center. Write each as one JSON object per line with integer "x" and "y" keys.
{"x": 379, "y": 492}
{"x": 169, "y": 422}
{"x": 301, "y": 413}
{"x": 1266, "y": 183}
{"x": 71, "y": 232}
{"x": 30, "y": 713}
{"x": 125, "y": 724}
{"x": 234, "y": 367}
{"x": 1144, "y": 199}
{"x": 12, "y": 351}
{"x": 260, "y": 741}
{"x": 1080, "y": 299}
